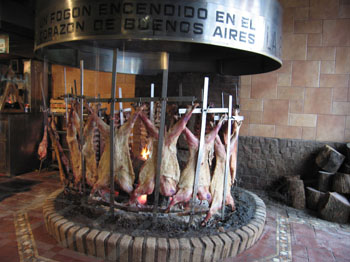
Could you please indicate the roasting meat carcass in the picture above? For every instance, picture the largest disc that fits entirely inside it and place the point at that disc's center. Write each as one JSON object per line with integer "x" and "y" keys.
{"x": 62, "y": 159}
{"x": 73, "y": 129}
{"x": 146, "y": 179}
{"x": 42, "y": 150}
{"x": 233, "y": 146}
{"x": 123, "y": 169}
{"x": 169, "y": 170}
{"x": 217, "y": 182}
{"x": 124, "y": 174}
{"x": 204, "y": 177}
{"x": 89, "y": 151}
{"x": 185, "y": 185}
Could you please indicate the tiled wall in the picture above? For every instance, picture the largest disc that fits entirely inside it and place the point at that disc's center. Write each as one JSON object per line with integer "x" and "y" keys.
{"x": 309, "y": 97}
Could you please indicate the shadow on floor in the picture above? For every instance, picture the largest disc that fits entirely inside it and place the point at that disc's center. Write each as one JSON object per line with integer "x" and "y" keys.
{"x": 15, "y": 186}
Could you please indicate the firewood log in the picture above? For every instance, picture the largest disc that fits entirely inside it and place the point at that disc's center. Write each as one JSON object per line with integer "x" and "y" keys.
{"x": 313, "y": 198}
{"x": 341, "y": 183}
{"x": 296, "y": 193}
{"x": 329, "y": 159}
{"x": 324, "y": 181}
{"x": 334, "y": 207}
{"x": 345, "y": 168}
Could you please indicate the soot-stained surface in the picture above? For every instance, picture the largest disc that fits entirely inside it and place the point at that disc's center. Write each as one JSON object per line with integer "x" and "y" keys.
{"x": 164, "y": 225}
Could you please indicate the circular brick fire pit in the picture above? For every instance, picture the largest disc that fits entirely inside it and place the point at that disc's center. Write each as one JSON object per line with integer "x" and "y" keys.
{"x": 124, "y": 247}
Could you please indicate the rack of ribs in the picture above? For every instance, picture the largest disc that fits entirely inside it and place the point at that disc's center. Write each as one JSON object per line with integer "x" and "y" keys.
{"x": 185, "y": 185}
{"x": 204, "y": 177}
{"x": 234, "y": 147}
{"x": 89, "y": 150}
{"x": 169, "y": 170}
{"x": 123, "y": 171}
{"x": 217, "y": 182}
{"x": 73, "y": 144}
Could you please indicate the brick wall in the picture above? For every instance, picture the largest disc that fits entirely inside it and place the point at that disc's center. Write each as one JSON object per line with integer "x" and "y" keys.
{"x": 309, "y": 97}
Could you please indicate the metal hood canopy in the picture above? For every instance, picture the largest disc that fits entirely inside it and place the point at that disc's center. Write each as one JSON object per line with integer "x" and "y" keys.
{"x": 231, "y": 37}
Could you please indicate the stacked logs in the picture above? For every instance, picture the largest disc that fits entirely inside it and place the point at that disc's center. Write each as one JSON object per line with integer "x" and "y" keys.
{"x": 330, "y": 197}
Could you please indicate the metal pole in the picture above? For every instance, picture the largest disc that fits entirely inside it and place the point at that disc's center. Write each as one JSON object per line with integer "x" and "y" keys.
{"x": 201, "y": 145}
{"x": 111, "y": 137}
{"x": 161, "y": 133}
{"x": 121, "y": 114}
{"x": 227, "y": 155}
{"x": 82, "y": 122}
{"x": 180, "y": 90}
{"x": 65, "y": 93}
{"x": 222, "y": 100}
{"x": 44, "y": 83}
{"x": 151, "y": 108}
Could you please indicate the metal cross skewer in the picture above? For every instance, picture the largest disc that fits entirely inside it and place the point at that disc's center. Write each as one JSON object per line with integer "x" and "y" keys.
{"x": 82, "y": 122}
{"x": 65, "y": 93}
{"x": 121, "y": 113}
{"x": 227, "y": 156}
{"x": 201, "y": 146}
{"x": 111, "y": 135}
{"x": 161, "y": 133}
{"x": 151, "y": 108}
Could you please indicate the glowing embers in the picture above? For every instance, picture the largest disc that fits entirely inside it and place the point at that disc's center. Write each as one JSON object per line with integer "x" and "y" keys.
{"x": 142, "y": 199}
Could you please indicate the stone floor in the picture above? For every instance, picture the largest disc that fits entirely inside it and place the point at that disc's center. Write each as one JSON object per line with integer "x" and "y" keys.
{"x": 289, "y": 234}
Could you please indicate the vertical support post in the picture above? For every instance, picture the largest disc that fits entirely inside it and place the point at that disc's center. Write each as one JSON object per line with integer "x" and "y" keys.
{"x": 227, "y": 156}
{"x": 180, "y": 90}
{"x": 222, "y": 100}
{"x": 121, "y": 113}
{"x": 111, "y": 137}
{"x": 65, "y": 93}
{"x": 82, "y": 122}
{"x": 151, "y": 108}
{"x": 237, "y": 98}
{"x": 201, "y": 145}
{"x": 44, "y": 82}
{"x": 161, "y": 132}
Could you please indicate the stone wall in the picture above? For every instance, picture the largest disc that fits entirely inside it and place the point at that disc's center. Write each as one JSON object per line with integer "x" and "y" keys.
{"x": 264, "y": 161}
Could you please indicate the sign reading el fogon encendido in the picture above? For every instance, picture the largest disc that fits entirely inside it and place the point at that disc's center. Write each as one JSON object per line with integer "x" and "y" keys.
{"x": 229, "y": 23}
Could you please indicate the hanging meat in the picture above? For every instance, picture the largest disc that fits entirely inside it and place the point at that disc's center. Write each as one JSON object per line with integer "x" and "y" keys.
{"x": 185, "y": 185}
{"x": 63, "y": 162}
{"x": 169, "y": 170}
{"x": 42, "y": 150}
{"x": 124, "y": 174}
{"x": 73, "y": 144}
{"x": 89, "y": 151}
{"x": 217, "y": 182}
{"x": 204, "y": 177}
{"x": 146, "y": 179}
{"x": 234, "y": 146}
{"x": 123, "y": 169}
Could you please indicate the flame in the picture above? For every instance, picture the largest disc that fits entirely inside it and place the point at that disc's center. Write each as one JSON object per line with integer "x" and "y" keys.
{"x": 142, "y": 199}
{"x": 145, "y": 153}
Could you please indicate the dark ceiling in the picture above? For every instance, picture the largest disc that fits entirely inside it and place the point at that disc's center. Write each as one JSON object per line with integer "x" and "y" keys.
{"x": 17, "y": 21}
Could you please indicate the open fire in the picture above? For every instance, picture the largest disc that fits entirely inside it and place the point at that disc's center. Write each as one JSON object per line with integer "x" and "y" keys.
{"x": 145, "y": 153}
